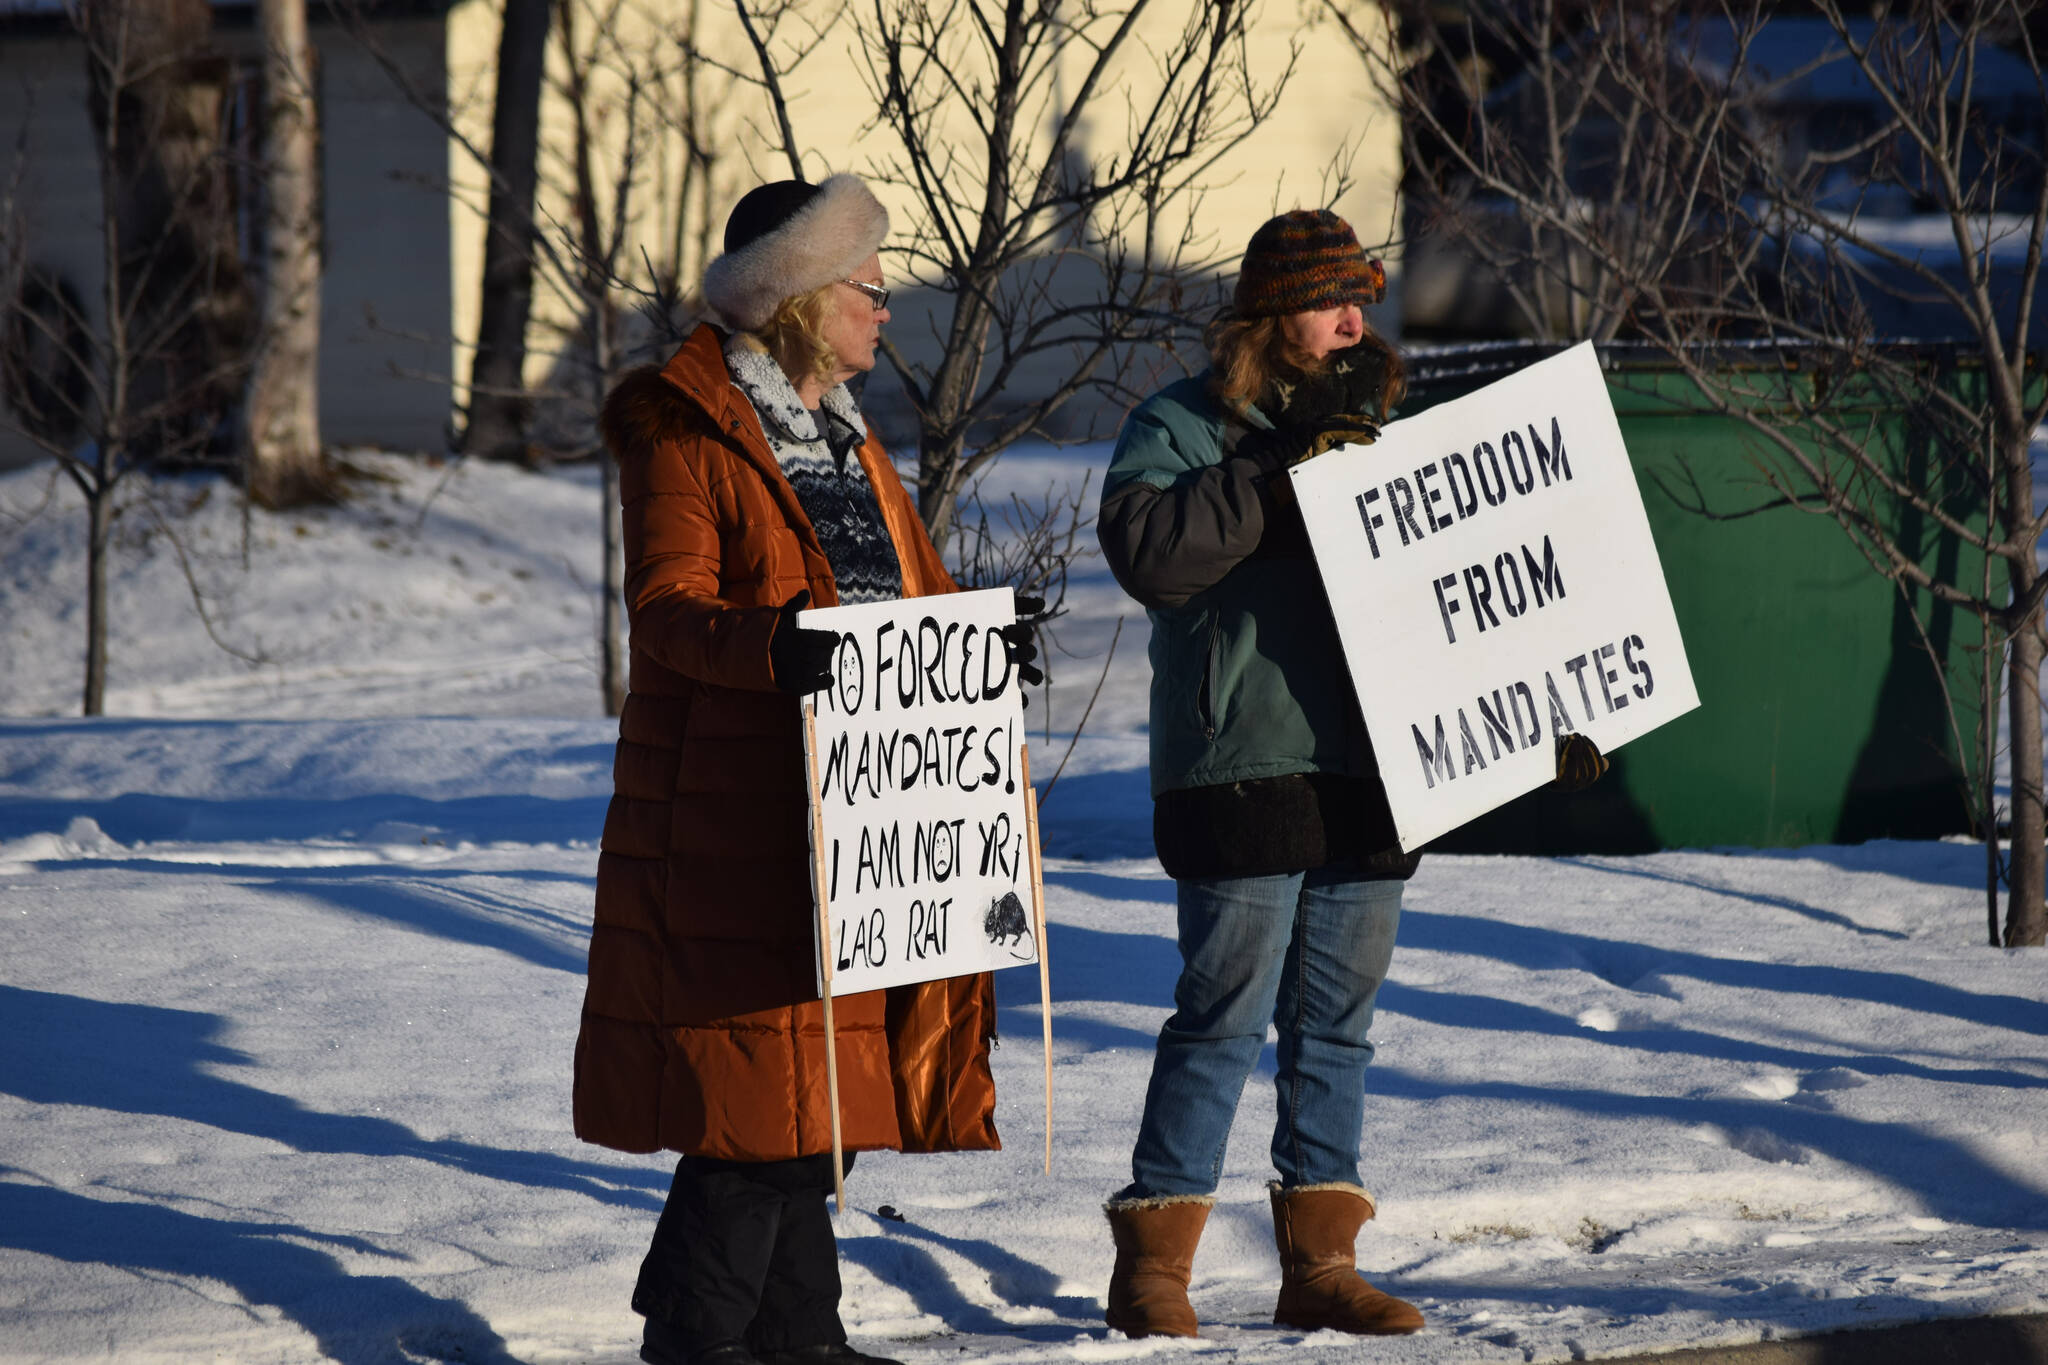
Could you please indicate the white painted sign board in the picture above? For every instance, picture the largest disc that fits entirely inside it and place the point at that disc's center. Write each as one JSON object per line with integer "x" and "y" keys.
{"x": 1494, "y": 583}
{"x": 921, "y": 828}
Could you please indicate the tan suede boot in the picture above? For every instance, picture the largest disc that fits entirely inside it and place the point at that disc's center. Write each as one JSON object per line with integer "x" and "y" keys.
{"x": 1155, "y": 1252}
{"x": 1316, "y": 1228}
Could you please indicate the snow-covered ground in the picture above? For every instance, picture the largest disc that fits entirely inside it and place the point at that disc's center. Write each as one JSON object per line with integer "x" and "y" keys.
{"x": 291, "y": 956}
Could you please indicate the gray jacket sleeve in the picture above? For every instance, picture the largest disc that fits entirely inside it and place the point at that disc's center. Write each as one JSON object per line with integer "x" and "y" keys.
{"x": 1170, "y": 529}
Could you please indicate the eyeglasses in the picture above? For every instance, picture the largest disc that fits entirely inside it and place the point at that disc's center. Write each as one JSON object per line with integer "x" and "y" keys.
{"x": 878, "y": 297}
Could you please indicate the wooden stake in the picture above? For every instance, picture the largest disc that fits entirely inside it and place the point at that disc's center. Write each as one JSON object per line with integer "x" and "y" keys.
{"x": 821, "y": 893}
{"x": 1044, "y": 948}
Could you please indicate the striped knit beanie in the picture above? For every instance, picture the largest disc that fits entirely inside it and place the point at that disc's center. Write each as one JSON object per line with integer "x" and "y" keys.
{"x": 1304, "y": 261}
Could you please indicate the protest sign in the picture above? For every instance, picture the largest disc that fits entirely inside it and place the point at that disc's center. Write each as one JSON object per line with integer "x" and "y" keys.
{"x": 1495, "y": 586}
{"x": 923, "y": 819}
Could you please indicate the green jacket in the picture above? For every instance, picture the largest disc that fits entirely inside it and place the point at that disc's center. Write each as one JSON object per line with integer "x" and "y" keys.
{"x": 1248, "y": 679}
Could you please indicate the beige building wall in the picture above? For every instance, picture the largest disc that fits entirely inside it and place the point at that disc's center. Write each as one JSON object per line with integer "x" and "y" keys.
{"x": 1328, "y": 120}
{"x": 385, "y": 341}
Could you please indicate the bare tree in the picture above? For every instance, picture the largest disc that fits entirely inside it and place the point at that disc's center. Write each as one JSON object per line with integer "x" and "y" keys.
{"x": 1058, "y": 261}
{"x": 152, "y": 377}
{"x": 634, "y": 162}
{"x": 591, "y": 53}
{"x": 1940, "y": 138}
{"x": 1060, "y": 258}
{"x": 285, "y": 464}
{"x": 1658, "y": 183}
{"x": 1573, "y": 152}
{"x": 1040, "y": 253}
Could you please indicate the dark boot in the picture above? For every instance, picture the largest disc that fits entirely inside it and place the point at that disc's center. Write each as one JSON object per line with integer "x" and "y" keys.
{"x": 743, "y": 1264}
{"x": 664, "y": 1345}
{"x": 1155, "y": 1253}
{"x": 825, "y": 1353}
{"x": 1316, "y": 1228}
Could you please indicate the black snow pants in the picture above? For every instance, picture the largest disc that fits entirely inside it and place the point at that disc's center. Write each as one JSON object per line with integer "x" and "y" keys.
{"x": 744, "y": 1252}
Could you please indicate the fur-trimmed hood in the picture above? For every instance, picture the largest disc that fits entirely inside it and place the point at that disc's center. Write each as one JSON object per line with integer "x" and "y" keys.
{"x": 692, "y": 393}
{"x": 837, "y": 228}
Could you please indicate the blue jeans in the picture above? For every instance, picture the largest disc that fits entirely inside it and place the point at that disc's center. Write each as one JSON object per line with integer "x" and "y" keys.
{"x": 1308, "y": 952}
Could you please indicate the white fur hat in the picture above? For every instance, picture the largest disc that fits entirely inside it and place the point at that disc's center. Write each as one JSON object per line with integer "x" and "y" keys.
{"x": 789, "y": 238}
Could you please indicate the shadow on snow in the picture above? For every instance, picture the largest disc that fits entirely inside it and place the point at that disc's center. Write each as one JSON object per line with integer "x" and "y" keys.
{"x": 137, "y": 818}
{"x": 147, "y": 1059}
{"x": 356, "y": 1319}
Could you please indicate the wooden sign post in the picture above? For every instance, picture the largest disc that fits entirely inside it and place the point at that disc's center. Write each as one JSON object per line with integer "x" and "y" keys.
{"x": 1044, "y": 945}
{"x": 825, "y": 959}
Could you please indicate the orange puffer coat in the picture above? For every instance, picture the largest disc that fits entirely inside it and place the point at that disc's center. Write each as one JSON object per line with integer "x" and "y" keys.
{"x": 702, "y": 1031}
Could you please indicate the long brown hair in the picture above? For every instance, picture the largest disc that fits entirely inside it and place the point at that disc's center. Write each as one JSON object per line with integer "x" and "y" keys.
{"x": 1247, "y": 355}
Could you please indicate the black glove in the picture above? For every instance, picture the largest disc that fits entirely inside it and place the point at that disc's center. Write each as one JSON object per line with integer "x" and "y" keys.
{"x": 1018, "y": 642}
{"x": 1273, "y": 451}
{"x": 801, "y": 659}
{"x": 1579, "y": 762}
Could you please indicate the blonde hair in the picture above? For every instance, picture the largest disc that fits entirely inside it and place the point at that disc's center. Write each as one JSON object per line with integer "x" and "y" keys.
{"x": 1247, "y": 355}
{"x": 794, "y": 336}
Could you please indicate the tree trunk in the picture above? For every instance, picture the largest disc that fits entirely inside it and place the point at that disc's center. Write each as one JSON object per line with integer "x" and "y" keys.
{"x": 2026, "y": 919}
{"x": 285, "y": 464}
{"x": 99, "y": 508}
{"x": 1987, "y": 773}
{"x": 497, "y": 404}
{"x": 2026, "y": 925}
{"x": 938, "y": 491}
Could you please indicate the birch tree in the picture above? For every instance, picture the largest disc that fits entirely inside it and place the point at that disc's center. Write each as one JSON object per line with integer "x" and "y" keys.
{"x": 285, "y": 463}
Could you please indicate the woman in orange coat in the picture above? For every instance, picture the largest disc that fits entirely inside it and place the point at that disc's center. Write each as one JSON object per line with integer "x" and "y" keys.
{"x": 751, "y": 488}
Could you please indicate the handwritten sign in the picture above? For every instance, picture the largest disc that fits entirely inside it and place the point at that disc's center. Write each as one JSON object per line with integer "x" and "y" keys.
{"x": 921, "y": 828}
{"x": 1495, "y": 586}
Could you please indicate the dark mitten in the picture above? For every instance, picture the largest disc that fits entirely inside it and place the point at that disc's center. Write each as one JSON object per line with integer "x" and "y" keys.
{"x": 1018, "y": 639}
{"x": 1351, "y": 380}
{"x": 1359, "y": 377}
{"x": 1579, "y": 762}
{"x": 1278, "y": 449}
{"x": 1272, "y": 450}
{"x": 801, "y": 659}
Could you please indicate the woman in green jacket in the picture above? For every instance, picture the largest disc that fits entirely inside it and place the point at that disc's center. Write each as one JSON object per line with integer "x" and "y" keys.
{"x": 1268, "y": 809}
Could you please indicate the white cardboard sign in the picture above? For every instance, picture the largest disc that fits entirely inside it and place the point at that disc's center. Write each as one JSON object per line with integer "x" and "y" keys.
{"x": 1494, "y": 583}
{"x": 920, "y": 821}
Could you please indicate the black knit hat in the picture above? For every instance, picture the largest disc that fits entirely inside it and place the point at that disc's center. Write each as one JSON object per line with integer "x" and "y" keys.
{"x": 762, "y": 210}
{"x": 1304, "y": 261}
